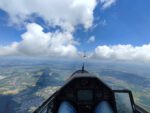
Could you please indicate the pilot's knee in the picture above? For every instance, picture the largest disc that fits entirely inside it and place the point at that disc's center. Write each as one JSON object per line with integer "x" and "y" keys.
{"x": 66, "y": 107}
{"x": 103, "y": 107}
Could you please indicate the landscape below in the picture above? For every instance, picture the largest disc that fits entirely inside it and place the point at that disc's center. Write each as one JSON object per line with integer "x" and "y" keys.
{"x": 26, "y": 83}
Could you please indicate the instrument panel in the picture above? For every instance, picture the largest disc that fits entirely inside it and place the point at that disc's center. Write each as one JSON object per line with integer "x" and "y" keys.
{"x": 86, "y": 92}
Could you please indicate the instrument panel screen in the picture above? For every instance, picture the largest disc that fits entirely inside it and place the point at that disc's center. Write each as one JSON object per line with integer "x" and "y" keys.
{"x": 85, "y": 95}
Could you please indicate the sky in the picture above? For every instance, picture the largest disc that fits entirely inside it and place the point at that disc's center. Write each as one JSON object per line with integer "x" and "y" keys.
{"x": 105, "y": 29}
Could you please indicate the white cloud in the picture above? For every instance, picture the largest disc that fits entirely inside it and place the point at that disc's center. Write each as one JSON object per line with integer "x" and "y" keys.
{"x": 66, "y": 14}
{"x": 123, "y": 52}
{"x": 9, "y": 50}
{"x": 91, "y": 39}
{"x": 35, "y": 42}
{"x": 107, "y": 3}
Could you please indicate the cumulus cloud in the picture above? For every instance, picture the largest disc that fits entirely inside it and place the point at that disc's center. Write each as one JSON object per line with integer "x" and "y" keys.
{"x": 91, "y": 39}
{"x": 123, "y": 52}
{"x": 9, "y": 49}
{"x": 66, "y": 13}
{"x": 35, "y": 42}
{"x": 107, "y": 3}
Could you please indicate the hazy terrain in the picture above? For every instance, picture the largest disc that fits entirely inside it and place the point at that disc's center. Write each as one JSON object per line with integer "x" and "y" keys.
{"x": 26, "y": 83}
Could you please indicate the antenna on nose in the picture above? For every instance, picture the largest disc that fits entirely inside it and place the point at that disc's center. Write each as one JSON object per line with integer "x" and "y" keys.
{"x": 83, "y": 67}
{"x": 84, "y": 57}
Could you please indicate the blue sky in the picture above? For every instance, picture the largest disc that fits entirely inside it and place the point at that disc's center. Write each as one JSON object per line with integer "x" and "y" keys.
{"x": 124, "y": 22}
{"x": 127, "y": 22}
